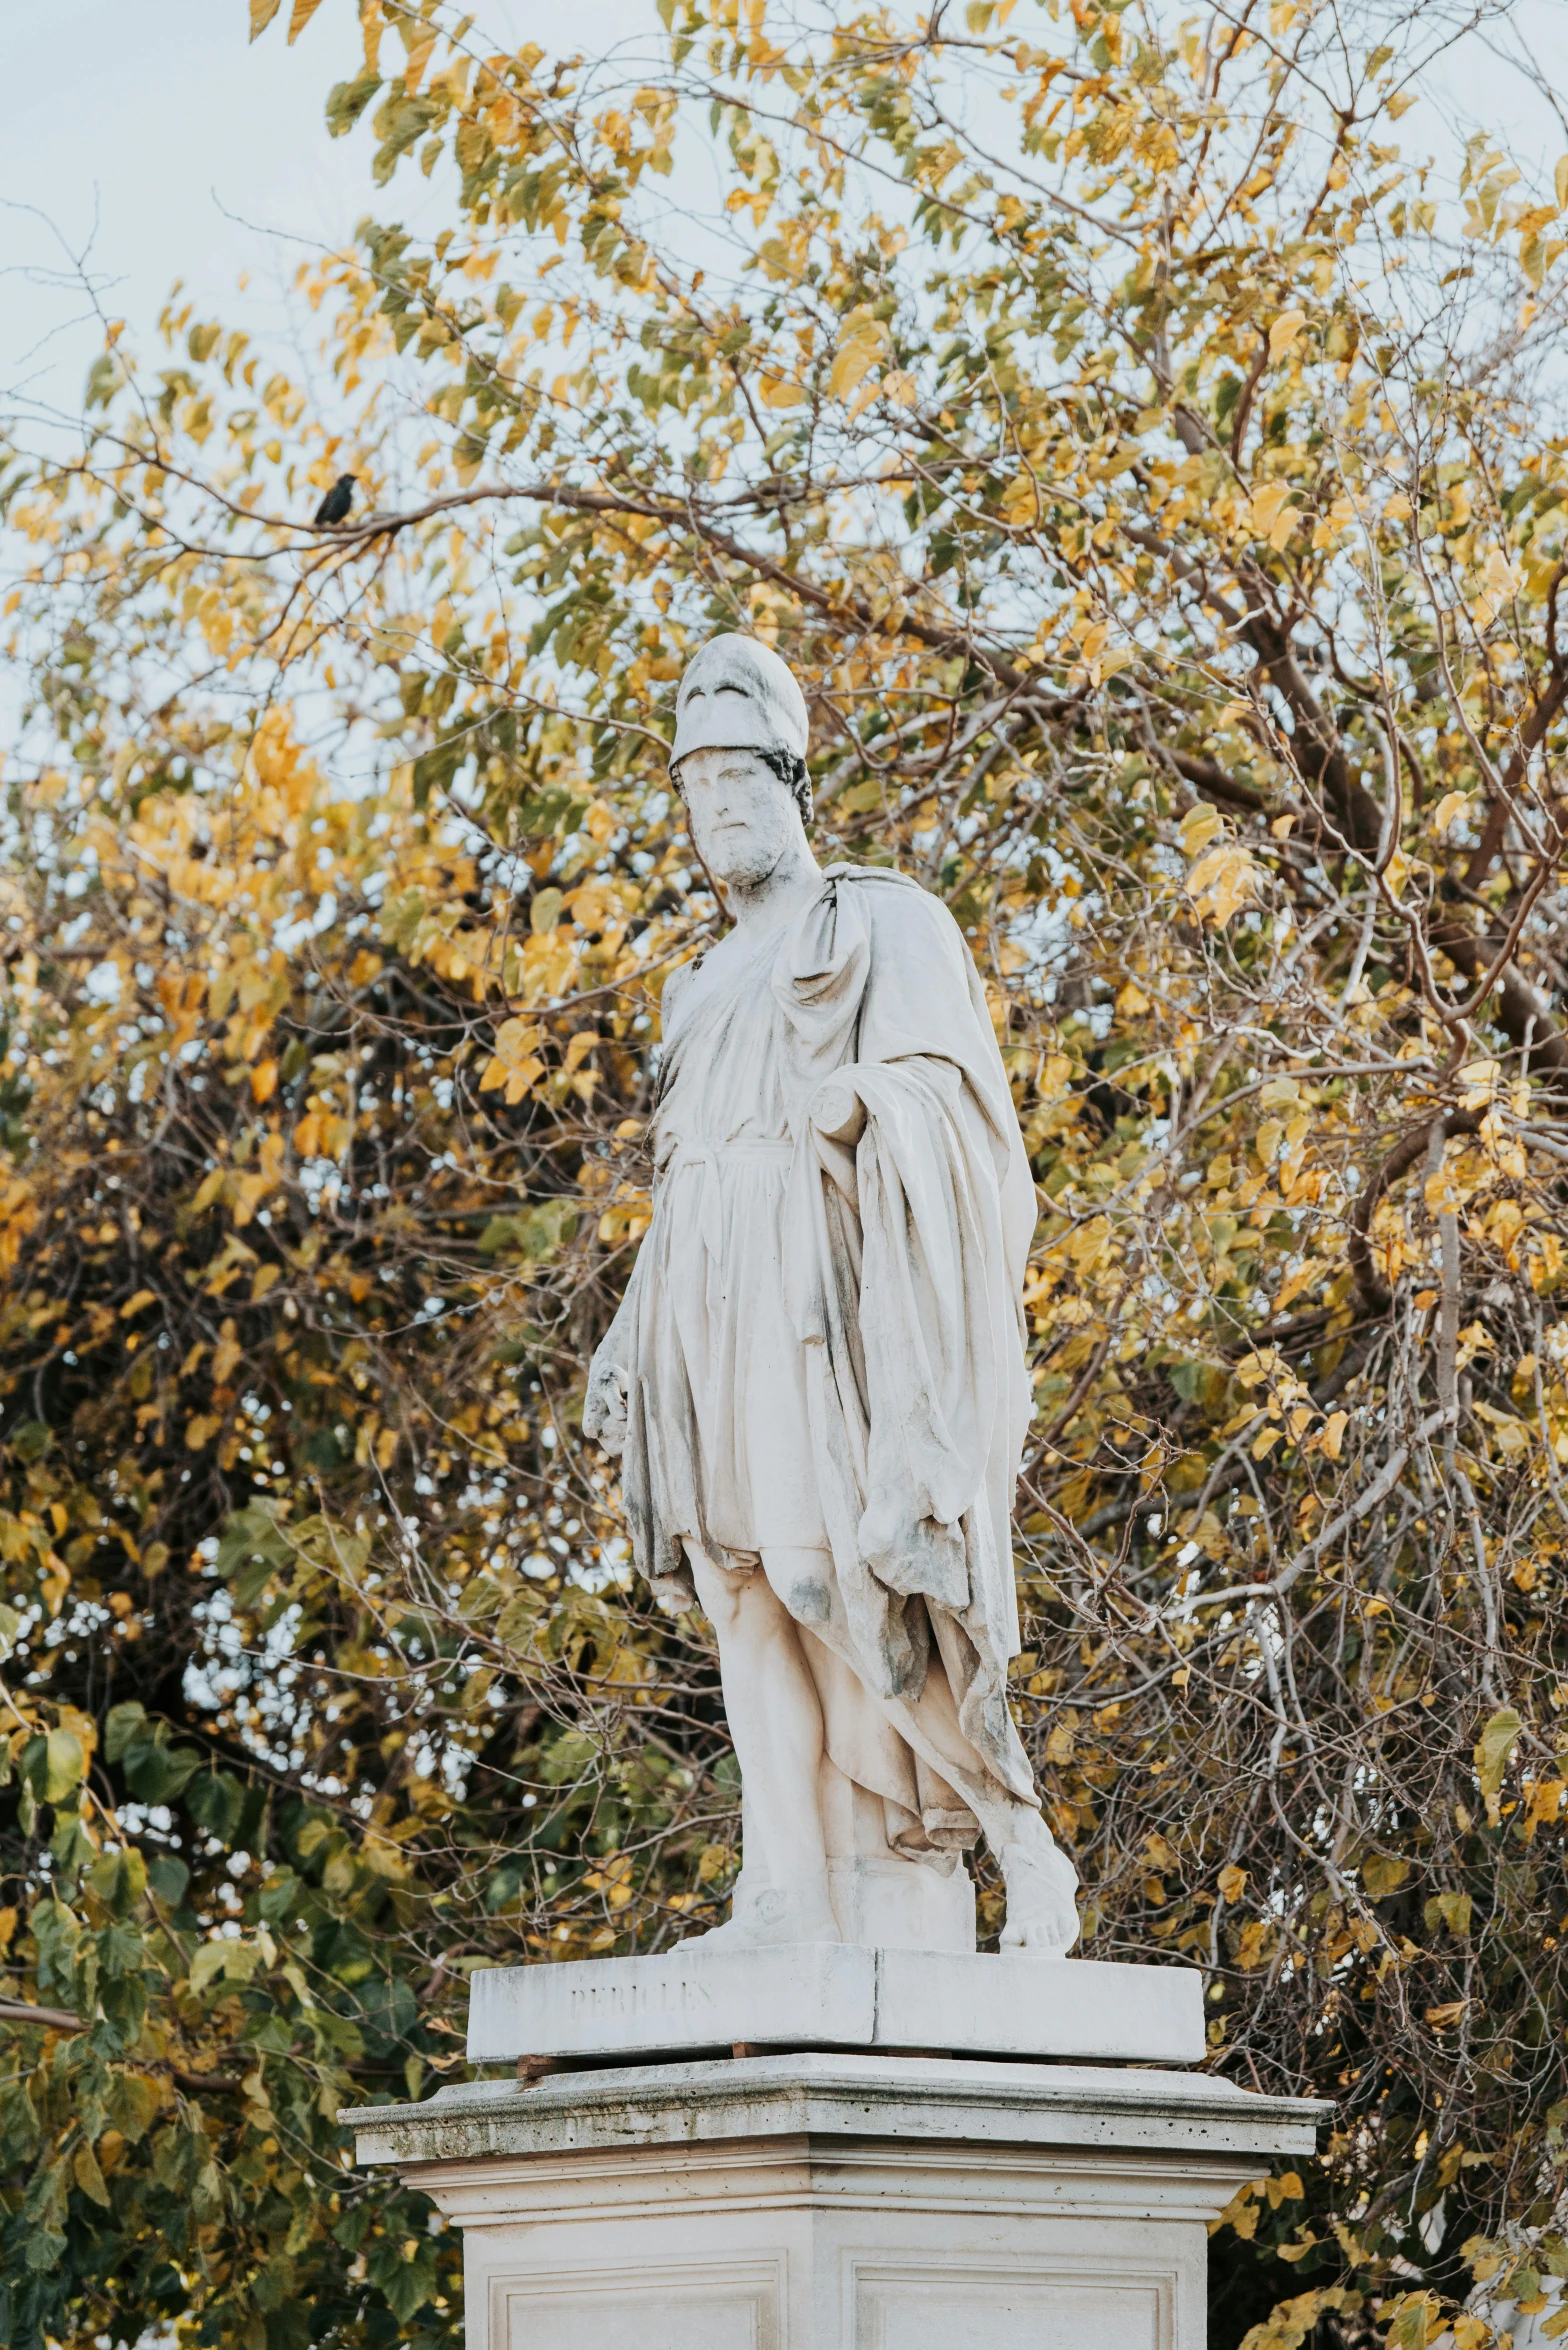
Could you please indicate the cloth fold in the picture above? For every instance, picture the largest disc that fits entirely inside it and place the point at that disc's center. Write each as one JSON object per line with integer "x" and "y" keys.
{"x": 823, "y": 1334}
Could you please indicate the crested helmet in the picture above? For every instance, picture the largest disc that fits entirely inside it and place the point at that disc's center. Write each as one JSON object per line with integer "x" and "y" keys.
{"x": 737, "y": 695}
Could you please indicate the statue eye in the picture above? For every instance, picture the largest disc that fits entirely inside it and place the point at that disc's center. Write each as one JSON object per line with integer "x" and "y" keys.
{"x": 733, "y": 689}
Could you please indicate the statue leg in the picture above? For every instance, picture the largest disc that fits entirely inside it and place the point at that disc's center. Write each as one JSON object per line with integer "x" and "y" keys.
{"x": 775, "y": 1720}
{"x": 1042, "y": 1912}
{"x": 1042, "y": 1884}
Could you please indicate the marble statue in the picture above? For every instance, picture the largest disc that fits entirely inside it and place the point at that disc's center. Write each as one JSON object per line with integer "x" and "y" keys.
{"x": 816, "y": 1378}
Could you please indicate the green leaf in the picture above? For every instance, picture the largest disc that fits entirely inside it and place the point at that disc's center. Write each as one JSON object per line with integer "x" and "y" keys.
{"x": 1492, "y": 1751}
{"x": 19, "y": 2134}
{"x": 168, "y": 1878}
{"x": 88, "y": 2176}
{"x": 348, "y": 102}
{"x": 123, "y": 1725}
{"x": 64, "y": 1765}
{"x": 120, "y": 1879}
{"x": 134, "y": 2103}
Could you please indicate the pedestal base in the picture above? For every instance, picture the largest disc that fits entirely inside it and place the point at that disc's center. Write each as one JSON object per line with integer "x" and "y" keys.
{"x": 829, "y": 2202}
{"x": 705, "y": 1997}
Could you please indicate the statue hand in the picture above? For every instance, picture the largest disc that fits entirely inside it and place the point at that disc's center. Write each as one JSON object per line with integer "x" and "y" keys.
{"x": 837, "y": 1112}
{"x": 604, "y": 1406}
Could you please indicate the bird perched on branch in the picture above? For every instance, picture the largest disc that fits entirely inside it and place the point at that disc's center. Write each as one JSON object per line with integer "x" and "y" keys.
{"x": 335, "y": 506}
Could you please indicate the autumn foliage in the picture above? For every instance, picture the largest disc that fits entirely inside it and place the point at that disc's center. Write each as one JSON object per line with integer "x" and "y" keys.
{"x": 1160, "y": 483}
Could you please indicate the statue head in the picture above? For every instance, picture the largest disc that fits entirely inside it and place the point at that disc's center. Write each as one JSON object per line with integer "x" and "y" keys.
{"x": 737, "y": 695}
{"x": 738, "y": 760}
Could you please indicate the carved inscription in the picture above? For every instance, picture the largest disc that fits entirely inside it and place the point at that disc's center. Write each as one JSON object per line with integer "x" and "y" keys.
{"x": 625, "y": 2002}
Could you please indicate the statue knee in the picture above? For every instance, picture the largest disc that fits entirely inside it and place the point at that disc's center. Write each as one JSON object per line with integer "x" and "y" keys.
{"x": 721, "y": 1591}
{"x": 802, "y": 1580}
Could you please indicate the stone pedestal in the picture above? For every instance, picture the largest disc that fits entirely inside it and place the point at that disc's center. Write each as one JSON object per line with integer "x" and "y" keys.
{"x": 837, "y": 2201}
{"x": 703, "y": 1998}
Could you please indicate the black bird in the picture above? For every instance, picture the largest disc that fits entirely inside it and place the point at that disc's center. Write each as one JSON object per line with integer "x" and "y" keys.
{"x": 334, "y": 507}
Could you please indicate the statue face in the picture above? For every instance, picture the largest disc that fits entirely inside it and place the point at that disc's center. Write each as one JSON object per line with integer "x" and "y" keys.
{"x": 743, "y": 820}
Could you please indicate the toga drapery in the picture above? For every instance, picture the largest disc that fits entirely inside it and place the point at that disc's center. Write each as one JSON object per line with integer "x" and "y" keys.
{"x": 823, "y": 1335}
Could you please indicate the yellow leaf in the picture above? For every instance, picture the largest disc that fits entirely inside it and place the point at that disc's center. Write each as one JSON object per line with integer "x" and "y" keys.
{"x": 201, "y": 1430}
{"x": 226, "y": 1355}
{"x": 264, "y": 1081}
{"x": 1545, "y": 1801}
{"x": 1293, "y": 1285}
{"x": 1334, "y": 1433}
{"x": 1221, "y": 882}
{"x": 304, "y": 10}
{"x": 1285, "y": 330}
{"x": 134, "y": 1305}
{"x": 1492, "y": 1750}
{"x": 1232, "y": 1882}
{"x": 1254, "y": 1945}
{"x": 1267, "y": 508}
{"x": 1449, "y": 809}
{"x": 1560, "y": 182}
{"x": 64, "y": 1764}
{"x": 266, "y": 1275}
{"x": 856, "y": 356}
{"x": 1198, "y": 828}
{"x": 262, "y": 13}
{"x": 1449, "y": 2013}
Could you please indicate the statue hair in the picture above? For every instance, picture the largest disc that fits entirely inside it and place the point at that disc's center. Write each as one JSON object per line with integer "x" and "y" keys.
{"x": 793, "y": 774}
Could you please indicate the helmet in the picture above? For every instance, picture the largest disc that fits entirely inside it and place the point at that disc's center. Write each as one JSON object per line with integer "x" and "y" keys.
{"x": 737, "y": 695}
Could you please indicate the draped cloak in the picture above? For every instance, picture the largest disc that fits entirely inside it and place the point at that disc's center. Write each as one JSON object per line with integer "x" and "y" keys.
{"x": 823, "y": 1333}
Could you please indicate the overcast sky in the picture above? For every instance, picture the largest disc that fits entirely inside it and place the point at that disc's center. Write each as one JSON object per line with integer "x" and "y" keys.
{"x": 150, "y": 131}
{"x": 150, "y": 135}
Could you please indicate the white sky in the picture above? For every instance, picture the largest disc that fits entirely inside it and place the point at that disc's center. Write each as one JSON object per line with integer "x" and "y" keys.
{"x": 150, "y": 131}
{"x": 153, "y": 133}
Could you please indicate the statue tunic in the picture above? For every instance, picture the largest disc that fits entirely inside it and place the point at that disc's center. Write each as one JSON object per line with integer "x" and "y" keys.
{"x": 823, "y": 1333}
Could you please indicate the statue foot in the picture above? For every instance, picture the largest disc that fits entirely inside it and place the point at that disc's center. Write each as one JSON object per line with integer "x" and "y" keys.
{"x": 759, "y": 1920}
{"x": 1042, "y": 1886}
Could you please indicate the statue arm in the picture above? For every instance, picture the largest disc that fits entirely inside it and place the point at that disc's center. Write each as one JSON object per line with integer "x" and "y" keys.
{"x": 609, "y": 1374}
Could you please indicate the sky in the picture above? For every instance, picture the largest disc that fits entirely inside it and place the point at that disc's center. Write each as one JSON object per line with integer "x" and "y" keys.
{"x": 155, "y": 143}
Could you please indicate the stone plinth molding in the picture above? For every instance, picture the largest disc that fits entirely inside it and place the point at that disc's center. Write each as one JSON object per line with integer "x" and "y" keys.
{"x": 828, "y": 2201}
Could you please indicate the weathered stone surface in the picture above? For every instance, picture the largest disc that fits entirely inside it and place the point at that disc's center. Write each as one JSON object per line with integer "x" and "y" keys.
{"x": 815, "y": 1379}
{"x": 837, "y": 1995}
{"x": 837, "y": 2202}
{"x": 829, "y": 2096}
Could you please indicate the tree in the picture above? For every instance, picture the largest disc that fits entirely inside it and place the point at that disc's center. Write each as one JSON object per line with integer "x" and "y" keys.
{"x": 1161, "y": 484}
